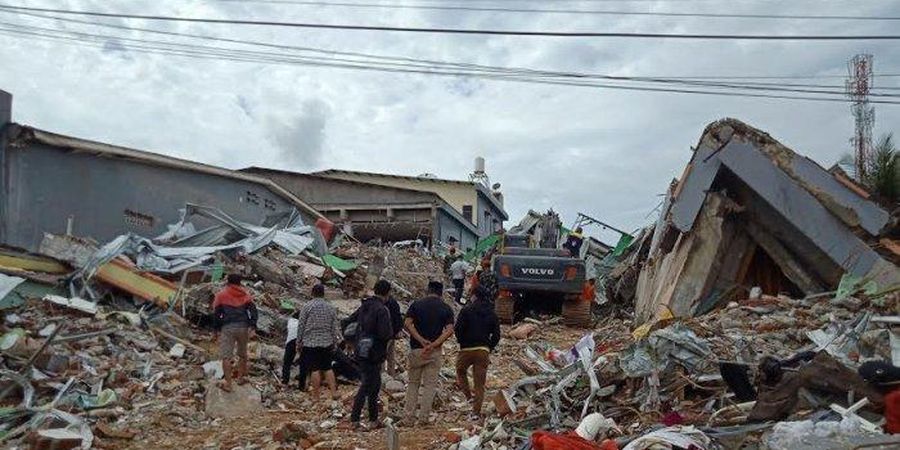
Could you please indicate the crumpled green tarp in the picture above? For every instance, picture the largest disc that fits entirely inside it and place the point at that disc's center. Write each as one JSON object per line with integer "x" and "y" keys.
{"x": 336, "y": 263}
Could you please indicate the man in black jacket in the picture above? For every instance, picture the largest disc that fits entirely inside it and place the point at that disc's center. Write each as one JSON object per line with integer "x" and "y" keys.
{"x": 396, "y": 326}
{"x": 478, "y": 333}
{"x": 373, "y": 333}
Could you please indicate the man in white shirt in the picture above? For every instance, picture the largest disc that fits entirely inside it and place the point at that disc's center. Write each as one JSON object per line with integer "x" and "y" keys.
{"x": 458, "y": 271}
{"x": 290, "y": 353}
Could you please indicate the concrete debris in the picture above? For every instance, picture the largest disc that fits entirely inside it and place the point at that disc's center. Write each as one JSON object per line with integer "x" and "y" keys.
{"x": 671, "y": 438}
{"x": 56, "y": 439}
{"x": 8, "y": 283}
{"x": 177, "y": 350}
{"x": 213, "y": 369}
{"x": 243, "y": 401}
{"x": 75, "y": 303}
{"x": 523, "y": 331}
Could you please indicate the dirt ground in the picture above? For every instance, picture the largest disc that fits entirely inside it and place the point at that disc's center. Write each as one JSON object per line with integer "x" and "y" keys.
{"x": 171, "y": 429}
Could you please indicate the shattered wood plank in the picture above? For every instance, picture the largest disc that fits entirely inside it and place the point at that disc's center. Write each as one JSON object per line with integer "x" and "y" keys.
{"x": 892, "y": 245}
{"x": 142, "y": 285}
{"x": 32, "y": 263}
{"x": 792, "y": 268}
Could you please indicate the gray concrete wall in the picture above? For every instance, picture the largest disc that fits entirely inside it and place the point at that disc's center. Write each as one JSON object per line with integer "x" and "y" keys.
{"x": 447, "y": 226}
{"x": 320, "y": 190}
{"x": 5, "y": 118}
{"x": 43, "y": 186}
{"x": 5, "y": 108}
{"x": 486, "y": 228}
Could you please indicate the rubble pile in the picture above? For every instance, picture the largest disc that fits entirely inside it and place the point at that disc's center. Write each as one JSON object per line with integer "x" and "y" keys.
{"x": 679, "y": 373}
{"x": 408, "y": 268}
{"x": 733, "y": 322}
{"x": 126, "y": 373}
{"x": 109, "y": 379}
{"x": 104, "y": 345}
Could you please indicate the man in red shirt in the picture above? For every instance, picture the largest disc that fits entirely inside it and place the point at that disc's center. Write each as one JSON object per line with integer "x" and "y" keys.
{"x": 234, "y": 318}
{"x": 589, "y": 290}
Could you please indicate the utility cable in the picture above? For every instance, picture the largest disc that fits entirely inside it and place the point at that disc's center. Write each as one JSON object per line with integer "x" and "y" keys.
{"x": 462, "y": 31}
{"x": 215, "y": 56}
{"x": 499, "y": 71}
{"x": 467, "y": 66}
{"x": 432, "y": 7}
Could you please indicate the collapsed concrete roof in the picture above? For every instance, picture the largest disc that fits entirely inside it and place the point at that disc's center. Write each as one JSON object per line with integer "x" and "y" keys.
{"x": 321, "y": 205}
{"x": 769, "y": 166}
{"x": 746, "y": 200}
{"x": 483, "y": 191}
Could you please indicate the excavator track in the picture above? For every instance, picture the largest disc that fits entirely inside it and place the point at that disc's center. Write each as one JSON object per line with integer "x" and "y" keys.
{"x": 505, "y": 307}
{"x": 576, "y": 312}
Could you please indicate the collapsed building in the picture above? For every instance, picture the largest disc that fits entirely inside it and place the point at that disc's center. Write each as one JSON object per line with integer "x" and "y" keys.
{"x": 371, "y": 211}
{"x": 750, "y": 212}
{"x": 476, "y": 200}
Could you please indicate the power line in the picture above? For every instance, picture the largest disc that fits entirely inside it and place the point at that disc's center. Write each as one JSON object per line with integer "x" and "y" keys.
{"x": 708, "y": 82}
{"x": 217, "y": 53}
{"x": 462, "y": 31}
{"x": 418, "y": 63}
{"x": 503, "y": 70}
{"x": 652, "y": 1}
{"x": 772, "y": 77}
{"x": 563, "y": 11}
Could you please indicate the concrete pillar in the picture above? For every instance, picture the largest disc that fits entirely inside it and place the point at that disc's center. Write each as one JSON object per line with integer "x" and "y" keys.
{"x": 5, "y": 108}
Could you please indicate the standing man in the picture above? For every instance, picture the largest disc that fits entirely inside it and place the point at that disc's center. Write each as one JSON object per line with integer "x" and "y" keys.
{"x": 318, "y": 333}
{"x": 589, "y": 290}
{"x": 234, "y": 318}
{"x": 458, "y": 275}
{"x": 449, "y": 258}
{"x": 477, "y": 330}
{"x": 290, "y": 352}
{"x": 429, "y": 322}
{"x": 488, "y": 281}
{"x": 373, "y": 333}
{"x": 396, "y": 328}
{"x": 573, "y": 243}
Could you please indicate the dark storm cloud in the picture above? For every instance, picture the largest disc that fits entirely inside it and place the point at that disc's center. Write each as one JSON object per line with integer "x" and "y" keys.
{"x": 300, "y": 138}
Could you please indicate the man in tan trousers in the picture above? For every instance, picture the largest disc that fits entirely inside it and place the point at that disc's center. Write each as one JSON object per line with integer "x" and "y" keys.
{"x": 429, "y": 322}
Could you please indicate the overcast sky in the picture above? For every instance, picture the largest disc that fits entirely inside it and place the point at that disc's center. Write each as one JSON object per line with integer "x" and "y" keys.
{"x": 608, "y": 153}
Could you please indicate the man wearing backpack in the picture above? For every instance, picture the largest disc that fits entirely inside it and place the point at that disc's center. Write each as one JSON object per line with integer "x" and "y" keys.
{"x": 373, "y": 333}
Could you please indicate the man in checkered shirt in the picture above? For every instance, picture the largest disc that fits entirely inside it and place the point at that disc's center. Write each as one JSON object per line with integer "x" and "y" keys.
{"x": 318, "y": 334}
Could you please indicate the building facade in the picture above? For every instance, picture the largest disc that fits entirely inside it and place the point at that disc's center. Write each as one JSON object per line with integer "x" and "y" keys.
{"x": 54, "y": 183}
{"x": 473, "y": 201}
{"x": 375, "y": 211}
